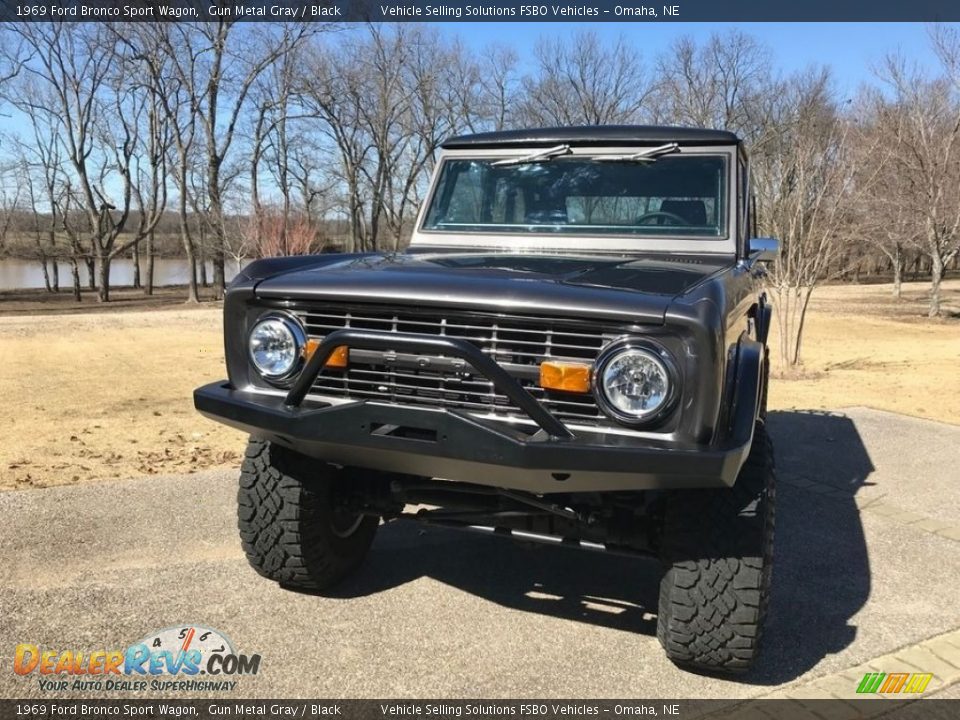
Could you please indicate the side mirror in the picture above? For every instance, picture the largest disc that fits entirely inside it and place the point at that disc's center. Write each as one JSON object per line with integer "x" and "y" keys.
{"x": 763, "y": 249}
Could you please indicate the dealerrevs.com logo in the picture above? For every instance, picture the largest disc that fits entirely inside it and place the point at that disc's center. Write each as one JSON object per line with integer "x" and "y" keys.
{"x": 186, "y": 658}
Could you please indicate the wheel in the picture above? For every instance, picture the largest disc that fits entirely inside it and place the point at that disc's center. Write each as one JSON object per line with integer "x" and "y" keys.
{"x": 290, "y": 527}
{"x": 717, "y": 552}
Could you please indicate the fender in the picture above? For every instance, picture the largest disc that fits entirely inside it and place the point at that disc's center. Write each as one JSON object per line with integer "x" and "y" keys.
{"x": 763, "y": 318}
{"x": 746, "y": 390}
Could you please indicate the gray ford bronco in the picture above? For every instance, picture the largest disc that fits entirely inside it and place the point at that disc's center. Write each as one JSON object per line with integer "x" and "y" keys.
{"x": 572, "y": 350}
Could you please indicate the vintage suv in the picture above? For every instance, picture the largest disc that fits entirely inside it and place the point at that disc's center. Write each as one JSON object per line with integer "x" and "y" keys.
{"x": 572, "y": 350}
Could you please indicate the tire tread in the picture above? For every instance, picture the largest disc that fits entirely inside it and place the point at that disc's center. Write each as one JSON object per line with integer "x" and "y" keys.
{"x": 283, "y": 514}
{"x": 717, "y": 550}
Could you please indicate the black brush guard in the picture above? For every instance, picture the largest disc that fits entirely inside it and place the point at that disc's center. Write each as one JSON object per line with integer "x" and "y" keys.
{"x": 452, "y": 444}
{"x": 431, "y": 345}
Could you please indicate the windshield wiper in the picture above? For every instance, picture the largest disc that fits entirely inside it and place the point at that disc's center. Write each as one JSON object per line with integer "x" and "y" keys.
{"x": 644, "y": 156}
{"x": 539, "y": 156}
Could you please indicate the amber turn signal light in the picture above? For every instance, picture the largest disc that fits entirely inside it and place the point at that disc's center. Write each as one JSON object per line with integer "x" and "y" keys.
{"x": 339, "y": 358}
{"x": 566, "y": 376}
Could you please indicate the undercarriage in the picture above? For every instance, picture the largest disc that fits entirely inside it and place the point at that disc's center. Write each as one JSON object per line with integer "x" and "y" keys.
{"x": 623, "y": 523}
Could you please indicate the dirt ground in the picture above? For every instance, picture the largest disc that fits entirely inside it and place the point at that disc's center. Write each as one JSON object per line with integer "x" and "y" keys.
{"x": 100, "y": 394}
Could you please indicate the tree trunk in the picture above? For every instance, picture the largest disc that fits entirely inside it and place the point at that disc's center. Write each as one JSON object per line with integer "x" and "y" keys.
{"x": 136, "y": 266}
{"x": 55, "y": 274}
{"x": 896, "y": 260}
{"x": 782, "y": 308}
{"x": 791, "y": 309}
{"x": 150, "y": 263}
{"x": 936, "y": 276}
{"x": 52, "y": 238}
{"x": 91, "y": 272}
{"x": 218, "y": 236}
{"x": 800, "y": 322}
{"x": 103, "y": 294}
{"x": 192, "y": 294}
{"x": 202, "y": 258}
{"x": 46, "y": 273}
{"x": 75, "y": 271}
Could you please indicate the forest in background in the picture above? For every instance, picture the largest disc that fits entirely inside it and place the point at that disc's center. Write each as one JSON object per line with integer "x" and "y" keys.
{"x": 218, "y": 140}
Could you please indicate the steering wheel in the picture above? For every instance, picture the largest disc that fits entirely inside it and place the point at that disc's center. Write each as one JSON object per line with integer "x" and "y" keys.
{"x": 673, "y": 217}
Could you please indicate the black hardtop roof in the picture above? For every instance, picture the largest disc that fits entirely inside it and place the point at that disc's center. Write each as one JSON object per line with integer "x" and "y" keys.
{"x": 593, "y": 135}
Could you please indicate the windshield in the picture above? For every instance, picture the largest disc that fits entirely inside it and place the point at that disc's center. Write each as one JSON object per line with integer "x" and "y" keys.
{"x": 578, "y": 195}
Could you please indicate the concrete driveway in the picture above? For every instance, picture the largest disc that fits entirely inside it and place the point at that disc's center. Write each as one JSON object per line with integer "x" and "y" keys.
{"x": 868, "y": 534}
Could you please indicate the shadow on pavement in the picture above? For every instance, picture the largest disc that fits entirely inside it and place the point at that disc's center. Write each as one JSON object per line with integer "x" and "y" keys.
{"x": 821, "y": 574}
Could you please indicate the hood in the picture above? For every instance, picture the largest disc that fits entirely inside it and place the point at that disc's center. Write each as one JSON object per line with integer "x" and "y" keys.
{"x": 633, "y": 289}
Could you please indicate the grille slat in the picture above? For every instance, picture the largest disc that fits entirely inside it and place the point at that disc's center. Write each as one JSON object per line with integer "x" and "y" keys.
{"x": 524, "y": 342}
{"x": 553, "y": 349}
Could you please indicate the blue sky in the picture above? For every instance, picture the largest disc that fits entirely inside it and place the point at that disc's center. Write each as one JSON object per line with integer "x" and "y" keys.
{"x": 850, "y": 48}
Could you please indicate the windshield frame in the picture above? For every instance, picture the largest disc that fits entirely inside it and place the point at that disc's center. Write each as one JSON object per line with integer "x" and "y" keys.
{"x": 631, "y": 243}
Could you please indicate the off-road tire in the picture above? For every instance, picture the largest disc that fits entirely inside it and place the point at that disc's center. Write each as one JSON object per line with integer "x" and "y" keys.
{"x": 717, "y": 552}
{"x": 289, "y": 525}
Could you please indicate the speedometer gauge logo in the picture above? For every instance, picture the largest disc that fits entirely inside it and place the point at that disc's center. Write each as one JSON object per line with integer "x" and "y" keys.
{"x": 184, "y": 638}
{"x": 188, "y": 650}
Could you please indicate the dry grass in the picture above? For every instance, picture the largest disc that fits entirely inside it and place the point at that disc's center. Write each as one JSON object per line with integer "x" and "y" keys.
{"x": 863, "y": 347}
{"x": 108, "y": 394}
{"x": 40, "y": 302}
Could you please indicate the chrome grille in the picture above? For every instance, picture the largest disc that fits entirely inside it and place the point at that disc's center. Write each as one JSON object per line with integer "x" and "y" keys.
{"x": 519, "y": 344}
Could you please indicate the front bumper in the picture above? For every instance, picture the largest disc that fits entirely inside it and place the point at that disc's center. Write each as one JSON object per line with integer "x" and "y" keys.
{"x": 454, "y": 445}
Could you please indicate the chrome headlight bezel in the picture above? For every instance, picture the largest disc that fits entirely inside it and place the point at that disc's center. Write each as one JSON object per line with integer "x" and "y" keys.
{"x": 651, "y": 350}
{"x": 299, "y": 336}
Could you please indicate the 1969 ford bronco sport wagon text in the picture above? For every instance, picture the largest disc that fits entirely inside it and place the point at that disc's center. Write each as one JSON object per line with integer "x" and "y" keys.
{"x": 572, "y": 350}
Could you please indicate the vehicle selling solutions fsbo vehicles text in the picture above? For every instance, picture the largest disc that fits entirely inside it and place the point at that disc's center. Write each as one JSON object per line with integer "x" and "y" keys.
{"x": 394, "y": 12}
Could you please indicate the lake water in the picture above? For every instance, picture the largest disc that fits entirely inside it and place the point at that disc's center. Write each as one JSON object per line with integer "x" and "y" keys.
{"x": 18, "y": 274}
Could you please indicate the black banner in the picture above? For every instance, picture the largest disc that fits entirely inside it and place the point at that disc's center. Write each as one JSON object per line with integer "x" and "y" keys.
{"x": 478, "y": 10}
{"x": 254, "y": 709}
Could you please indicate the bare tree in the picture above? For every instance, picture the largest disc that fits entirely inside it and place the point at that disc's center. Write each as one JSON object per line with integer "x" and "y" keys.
{"x": 77, "y": 65}
{"x": 217, "y": 64}
{"x": 727, "y": 82}
{"x": 804, "y": 195}
{"x": 148, "y": 44}
{"x": 38, "y": 165}
{"x": 273, "y": 140}
{"x": 499, "y": 88}
{"x": 385, "y": 106}
{"x": 920, "y": 124}
{"x": 883, "y": 222}
{"x": 331, "y": 91}
{"x": 150, "y": 188}
{"x": 10, "y": 196}
{"x": 585, "y": 81}
{"x": 410, "y": 146}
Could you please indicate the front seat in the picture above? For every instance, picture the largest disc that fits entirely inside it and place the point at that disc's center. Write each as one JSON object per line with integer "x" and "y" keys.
{"x": 693, "y": 211}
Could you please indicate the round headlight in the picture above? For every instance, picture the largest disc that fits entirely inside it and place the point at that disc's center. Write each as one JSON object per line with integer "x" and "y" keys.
{"x": 634, "y": 384}
{"x": 275, "y": 345}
